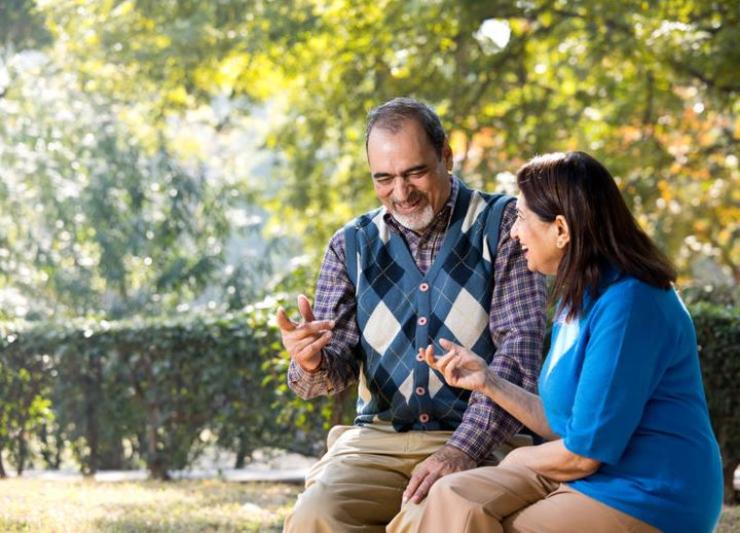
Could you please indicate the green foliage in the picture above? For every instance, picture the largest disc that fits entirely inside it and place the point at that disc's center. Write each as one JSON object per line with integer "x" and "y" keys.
{"x": 650, "y": 89}
{"x": 156, "y": 384}
{"x": 24, "y": 404}
{"x": 94, "y": 221}
{"x": 21, "y": 27}
{"x": 718, "y": 332}
{"x": 159, "y": 383}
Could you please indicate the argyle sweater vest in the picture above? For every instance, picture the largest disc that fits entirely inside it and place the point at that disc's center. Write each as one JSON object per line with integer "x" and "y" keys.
{"x": 399, "y": 310}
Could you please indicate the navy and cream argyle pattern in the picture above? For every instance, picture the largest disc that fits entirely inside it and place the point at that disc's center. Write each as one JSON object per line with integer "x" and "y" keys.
{"x": 400, "y": 309}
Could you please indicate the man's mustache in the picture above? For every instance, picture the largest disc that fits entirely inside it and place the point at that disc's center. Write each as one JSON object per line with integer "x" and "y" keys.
{"x": 410, "y": 199}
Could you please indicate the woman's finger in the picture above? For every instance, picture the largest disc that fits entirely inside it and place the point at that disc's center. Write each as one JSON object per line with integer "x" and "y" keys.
{"x": 453, "y": 366}
{"x": 444, "y": 361}
{"x": 448, "y": 345}
{"x": 428, "y": 355}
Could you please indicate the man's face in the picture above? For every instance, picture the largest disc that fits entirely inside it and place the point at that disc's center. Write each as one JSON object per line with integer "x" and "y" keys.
{"x": 410, "y": 180}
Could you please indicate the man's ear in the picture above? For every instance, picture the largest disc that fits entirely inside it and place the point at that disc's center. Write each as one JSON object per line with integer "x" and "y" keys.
{"x": 447, "y": 156}
{"x": 563, "y": 237}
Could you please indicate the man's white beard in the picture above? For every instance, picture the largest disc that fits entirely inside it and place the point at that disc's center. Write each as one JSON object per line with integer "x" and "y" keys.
{"x": 416, "y": 221}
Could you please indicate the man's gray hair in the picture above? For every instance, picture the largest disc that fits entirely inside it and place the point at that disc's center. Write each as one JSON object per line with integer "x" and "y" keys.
{"x": 392, "y": 115}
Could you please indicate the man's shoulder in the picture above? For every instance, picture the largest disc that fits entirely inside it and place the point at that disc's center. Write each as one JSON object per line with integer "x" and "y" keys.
{"x": 337, "y": 240}
{"x": 489, "y": 199}
{"x": 364, "y": 221}
{"x": 493, "y": 200}
{"x": 360, "y": 221}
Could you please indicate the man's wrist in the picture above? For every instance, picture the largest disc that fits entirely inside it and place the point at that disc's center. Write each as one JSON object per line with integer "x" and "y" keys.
{"x": 451, "y": 450}
{"x": 315, "y": 369}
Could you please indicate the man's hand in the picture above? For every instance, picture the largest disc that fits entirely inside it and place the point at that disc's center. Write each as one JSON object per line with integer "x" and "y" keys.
{"x": 446, "y": 460}
{"x": 305, "y": 340}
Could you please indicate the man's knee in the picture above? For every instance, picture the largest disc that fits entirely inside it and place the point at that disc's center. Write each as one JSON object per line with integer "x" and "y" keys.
{"x": 447, "y": 485}
{"x": 316, "y": 509}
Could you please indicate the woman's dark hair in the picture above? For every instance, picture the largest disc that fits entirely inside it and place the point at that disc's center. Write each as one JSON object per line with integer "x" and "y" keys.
{"x": 603, "y": 232}
{"x": 394, "y": 113}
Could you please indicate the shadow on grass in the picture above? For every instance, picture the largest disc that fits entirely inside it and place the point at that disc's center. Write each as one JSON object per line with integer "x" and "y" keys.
{"x": 14, "y": 526}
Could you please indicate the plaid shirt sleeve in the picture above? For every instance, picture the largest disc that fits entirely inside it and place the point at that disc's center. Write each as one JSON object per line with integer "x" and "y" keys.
{"x": 335, "y": 300}
{"x": 517, "y": 325}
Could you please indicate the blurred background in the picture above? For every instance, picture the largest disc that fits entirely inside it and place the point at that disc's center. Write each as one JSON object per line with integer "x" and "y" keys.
{"x": 171, "y": 171}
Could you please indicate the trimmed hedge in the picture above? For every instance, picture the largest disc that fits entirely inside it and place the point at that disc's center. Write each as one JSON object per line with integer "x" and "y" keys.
{"x": 718, "y": 335}
{"x": 145, "y": 390}
{"x": 119, "y": 393}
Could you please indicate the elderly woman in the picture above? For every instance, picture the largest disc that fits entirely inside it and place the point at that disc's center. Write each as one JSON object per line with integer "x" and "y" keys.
{"x": 621, "y": 404}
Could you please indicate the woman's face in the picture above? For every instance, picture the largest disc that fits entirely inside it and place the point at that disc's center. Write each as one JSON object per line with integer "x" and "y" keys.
{"x": 540, "y": 240}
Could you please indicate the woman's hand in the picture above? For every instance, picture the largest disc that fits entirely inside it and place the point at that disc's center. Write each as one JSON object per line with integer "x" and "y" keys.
{"x": 461, "y": 367}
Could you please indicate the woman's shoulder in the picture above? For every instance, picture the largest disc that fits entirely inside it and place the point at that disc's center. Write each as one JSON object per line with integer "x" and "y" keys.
{"x": 619, "y": 284}
{"x": 626, "y": 293}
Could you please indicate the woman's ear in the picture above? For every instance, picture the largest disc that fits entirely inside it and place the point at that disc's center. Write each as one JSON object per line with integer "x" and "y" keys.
{"x": 563, "y": 237}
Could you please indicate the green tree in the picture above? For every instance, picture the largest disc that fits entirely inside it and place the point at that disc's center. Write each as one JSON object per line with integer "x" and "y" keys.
{"x": 95, "y": 222}
{"x": 649, "y": 88}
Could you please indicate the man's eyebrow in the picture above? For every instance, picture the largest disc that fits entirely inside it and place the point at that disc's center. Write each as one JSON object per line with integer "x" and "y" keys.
{"x": 379, "y": 175}
{"x": 415, "y": 168}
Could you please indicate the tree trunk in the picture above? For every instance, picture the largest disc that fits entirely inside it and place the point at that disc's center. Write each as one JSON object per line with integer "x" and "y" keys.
{"x": 21, "y": 441}
{"x": 243, "y": 451}
{"x": 51, "y": 453}
{"x": 3, "y": 474}
{"x": 92, "y": 397}
{"x": 156, "y": 462}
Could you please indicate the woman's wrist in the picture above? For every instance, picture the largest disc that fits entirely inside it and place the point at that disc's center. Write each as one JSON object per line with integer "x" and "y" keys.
{"x": 491, "y": 384}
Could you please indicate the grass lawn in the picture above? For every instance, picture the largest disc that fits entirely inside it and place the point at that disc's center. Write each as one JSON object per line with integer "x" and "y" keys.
{"x": 31, "y": 505}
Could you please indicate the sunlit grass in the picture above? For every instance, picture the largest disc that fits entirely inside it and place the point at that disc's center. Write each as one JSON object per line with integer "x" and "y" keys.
{"x": 730, "y": 522}
{"x": 86, "y": 506}
{"x": 31, "y": 505}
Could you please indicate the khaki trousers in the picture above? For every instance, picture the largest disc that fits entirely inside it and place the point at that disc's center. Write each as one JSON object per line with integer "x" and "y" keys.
{"x": 514, "y": 498}
{"x": 358, "y": 484}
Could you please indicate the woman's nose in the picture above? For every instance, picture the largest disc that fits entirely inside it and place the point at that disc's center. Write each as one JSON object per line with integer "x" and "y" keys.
{"x": 514, "y": 232}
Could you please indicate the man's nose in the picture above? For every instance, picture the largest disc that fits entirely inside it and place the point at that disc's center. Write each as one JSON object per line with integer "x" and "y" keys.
{"x": 401, "y": 188}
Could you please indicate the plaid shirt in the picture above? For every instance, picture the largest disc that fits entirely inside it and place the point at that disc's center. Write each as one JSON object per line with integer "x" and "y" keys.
{"x": 516, "y": 323}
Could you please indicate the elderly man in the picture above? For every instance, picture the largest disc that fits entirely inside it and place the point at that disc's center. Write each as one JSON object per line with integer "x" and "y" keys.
{"x": 434, "y": 262}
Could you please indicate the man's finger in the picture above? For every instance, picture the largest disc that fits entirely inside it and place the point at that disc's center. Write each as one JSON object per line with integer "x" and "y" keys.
{"x": 308, "y": 340}
{"x": 304, "y": 307}
{"x": 313, "y": 347}
{"x": 414, "y": 483}
{"x": 317, "y": 326}
{"x": 423, "y": 489}
{"x": 283, "y": 322}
